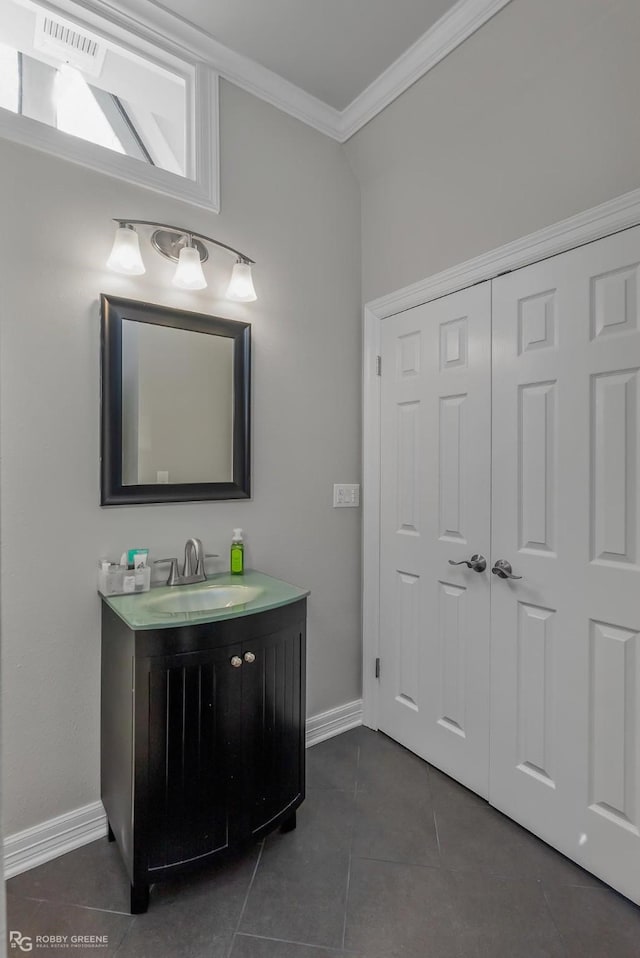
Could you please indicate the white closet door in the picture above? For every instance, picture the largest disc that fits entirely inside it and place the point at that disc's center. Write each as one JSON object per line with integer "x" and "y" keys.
{"x": 565, "y": 654}
{"x": 435, "y": 506}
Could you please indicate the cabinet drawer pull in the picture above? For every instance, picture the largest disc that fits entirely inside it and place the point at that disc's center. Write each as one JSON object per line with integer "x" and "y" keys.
{"x": 249, "y": 657}
{"x": 236, "y": 661}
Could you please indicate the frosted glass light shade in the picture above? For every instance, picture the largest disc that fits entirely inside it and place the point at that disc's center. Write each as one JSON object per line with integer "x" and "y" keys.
{"x": 189, "y": 273}
{"x": 240, "y": 286}
{"x": 125, "y": 255}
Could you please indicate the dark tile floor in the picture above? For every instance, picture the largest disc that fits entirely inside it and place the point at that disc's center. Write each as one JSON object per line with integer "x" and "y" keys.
{"x": 391, "y": 859}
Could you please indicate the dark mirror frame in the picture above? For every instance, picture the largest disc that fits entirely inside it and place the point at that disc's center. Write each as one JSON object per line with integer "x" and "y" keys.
{"x": 113, "y": 310}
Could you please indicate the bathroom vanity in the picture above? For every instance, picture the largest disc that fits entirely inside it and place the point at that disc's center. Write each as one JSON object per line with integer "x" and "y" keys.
{"x": 202, "y": 721}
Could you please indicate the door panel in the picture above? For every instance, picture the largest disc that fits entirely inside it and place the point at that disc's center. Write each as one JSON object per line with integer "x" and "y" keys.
{"x": 565, "y": 665}
{"x": 272, "y": 724}
{"x": 436, "y": 507}
{"x": 194, "y": 707}
{"x": 614, "y": 423}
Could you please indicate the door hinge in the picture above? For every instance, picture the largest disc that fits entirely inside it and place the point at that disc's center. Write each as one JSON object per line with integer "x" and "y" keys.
{"x": 377, "y": 668}
{"x": 378, "y": 365}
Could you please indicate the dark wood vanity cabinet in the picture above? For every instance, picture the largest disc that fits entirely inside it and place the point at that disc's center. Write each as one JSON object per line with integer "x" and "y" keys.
{"x": 202, "y": 738}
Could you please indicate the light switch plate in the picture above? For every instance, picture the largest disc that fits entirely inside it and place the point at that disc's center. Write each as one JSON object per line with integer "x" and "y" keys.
{"x": 346, "y": 495}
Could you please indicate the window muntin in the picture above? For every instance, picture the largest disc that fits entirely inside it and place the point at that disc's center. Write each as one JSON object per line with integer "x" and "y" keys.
{"x": 78, "y": 112}
{"x": 80, "y": 83}
{"x": 176, "y": 154}
{"x": 9, "y": 78}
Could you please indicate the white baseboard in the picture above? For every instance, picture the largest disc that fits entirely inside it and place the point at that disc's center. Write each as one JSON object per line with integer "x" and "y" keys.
{"x": 41, "y": 843}
{"x": 333, "y": 722}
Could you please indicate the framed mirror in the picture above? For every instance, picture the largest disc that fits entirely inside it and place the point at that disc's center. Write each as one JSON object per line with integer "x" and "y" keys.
{"x": 175, "y": 404}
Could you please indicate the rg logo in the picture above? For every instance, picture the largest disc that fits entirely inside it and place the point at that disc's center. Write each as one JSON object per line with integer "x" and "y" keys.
{"x": 20, "y": 941}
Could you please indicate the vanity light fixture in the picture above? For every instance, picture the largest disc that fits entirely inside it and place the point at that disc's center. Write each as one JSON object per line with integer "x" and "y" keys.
{"x": 125, "y": 255}
{"x": 240, "y": 285}
{"x": 183, "y": 247}
{"x": 188, "y": 274}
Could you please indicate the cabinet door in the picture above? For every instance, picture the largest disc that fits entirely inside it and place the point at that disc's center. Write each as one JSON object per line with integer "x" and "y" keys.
{"x": 192, "y": 738}
{"x": 273, "y": 724}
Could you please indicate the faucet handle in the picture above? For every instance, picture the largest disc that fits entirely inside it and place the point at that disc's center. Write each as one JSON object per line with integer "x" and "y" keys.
{"x": 173, "y": 571}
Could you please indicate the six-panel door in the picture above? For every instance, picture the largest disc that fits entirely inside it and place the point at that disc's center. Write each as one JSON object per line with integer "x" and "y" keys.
{"x": 565, "y": 518}
{"x": 565, "y": 675}
{"x": 435, "y": 480}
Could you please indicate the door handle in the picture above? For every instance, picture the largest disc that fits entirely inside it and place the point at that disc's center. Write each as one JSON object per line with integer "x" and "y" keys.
{"x": 503, "y": 569}
{"x": 477, "y": 562}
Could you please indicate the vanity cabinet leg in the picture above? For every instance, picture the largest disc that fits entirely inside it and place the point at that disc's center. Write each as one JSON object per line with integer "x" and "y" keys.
{"x": 110, "y": 836}
{"x": 139, "y": 899}
{"x": 289, "y": 823}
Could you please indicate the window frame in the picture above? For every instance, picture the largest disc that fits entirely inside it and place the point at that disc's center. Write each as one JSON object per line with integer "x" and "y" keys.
{"x": 201, "y": 186}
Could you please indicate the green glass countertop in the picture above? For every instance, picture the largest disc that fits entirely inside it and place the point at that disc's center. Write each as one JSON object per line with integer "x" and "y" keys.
{"x": 148, "y": 610}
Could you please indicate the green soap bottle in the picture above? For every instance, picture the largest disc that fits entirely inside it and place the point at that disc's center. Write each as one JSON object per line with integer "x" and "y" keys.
{"x": 237, "y": 553}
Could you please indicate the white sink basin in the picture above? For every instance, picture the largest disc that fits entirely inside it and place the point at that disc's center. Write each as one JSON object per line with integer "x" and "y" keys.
{"x": 183, "y": 599}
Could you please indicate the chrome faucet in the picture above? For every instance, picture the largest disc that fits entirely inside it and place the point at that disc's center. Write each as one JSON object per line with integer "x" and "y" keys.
{"x": 193, "y": 567}
{"x": 194, "y": 560}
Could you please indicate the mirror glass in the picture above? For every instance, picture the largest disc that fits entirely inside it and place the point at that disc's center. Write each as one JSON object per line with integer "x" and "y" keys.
{"x": 175, "y": 405}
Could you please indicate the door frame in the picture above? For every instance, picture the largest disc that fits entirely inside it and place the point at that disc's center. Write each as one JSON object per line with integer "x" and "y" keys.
{"x": 613, "y": 216}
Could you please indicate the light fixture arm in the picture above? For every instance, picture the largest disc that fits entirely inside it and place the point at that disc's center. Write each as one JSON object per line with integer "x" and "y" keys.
{"x": 187, "y": 233}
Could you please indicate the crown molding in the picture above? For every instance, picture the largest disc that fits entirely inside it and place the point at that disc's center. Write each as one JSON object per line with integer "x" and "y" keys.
{"x": 452, "y": 29}
{"x": 620, "y": 213}
{"x": 154, "y": 23}
{"x": 149, "y": 20}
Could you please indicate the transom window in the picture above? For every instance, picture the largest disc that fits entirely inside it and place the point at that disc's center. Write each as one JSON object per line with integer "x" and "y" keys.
{"x": 128, "y": 98}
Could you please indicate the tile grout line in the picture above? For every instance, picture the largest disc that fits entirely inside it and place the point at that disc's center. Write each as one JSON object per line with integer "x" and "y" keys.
{"x": 346, "y": 904}
{"x": 403, "y": 864}
{"x": 71, "y": 904}
{"x": 549, "y": 910}
{"x": 246, "y": 899}
{"x": 288, "y": 941}
{"x": 353, "y": 821}
{"x": 435, "y": 825}
{"x": 127, "y": 932}
{"x": 125, "y": 935}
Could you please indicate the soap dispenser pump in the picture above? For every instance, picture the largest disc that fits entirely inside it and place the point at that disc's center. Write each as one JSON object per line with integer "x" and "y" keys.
{"x": 237, "y": 553}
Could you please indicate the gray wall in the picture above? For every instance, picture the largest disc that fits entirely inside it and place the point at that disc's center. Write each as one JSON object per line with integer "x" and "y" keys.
{"x": 291, "y": 202}
{"x": 532, "y": 119}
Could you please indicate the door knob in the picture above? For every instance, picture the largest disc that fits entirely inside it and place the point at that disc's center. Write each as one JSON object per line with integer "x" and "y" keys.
{"x": 477, "y": 562}
{"x": 236, "y": 661}
{"x": 503, "y": 569}
{"x": 249, "y": 657}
